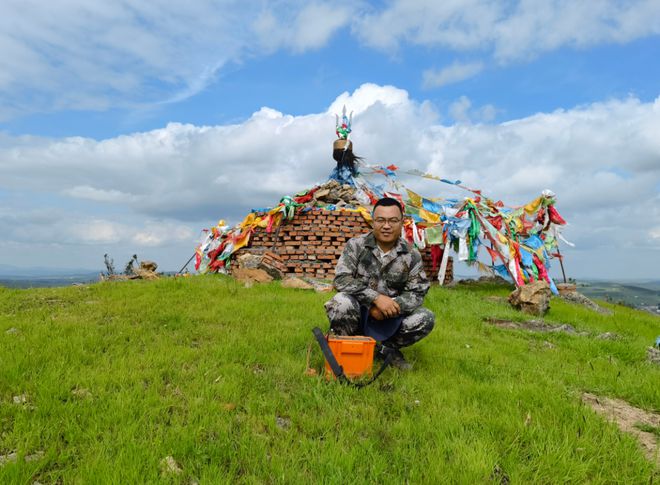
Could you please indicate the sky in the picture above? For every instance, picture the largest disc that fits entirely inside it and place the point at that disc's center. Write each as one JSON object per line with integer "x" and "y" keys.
{"x": 128, "y": 127}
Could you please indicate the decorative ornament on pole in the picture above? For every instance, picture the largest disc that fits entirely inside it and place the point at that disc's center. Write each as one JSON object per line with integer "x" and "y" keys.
{"x": 342, "y": 150}
{"x": 550, "y": 215}
{"x": 549, "y": 195}
{"x": 343, "y": 131}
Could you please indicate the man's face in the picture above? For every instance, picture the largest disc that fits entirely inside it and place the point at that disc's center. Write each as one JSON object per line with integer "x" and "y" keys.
{"x": 387, "y": 224}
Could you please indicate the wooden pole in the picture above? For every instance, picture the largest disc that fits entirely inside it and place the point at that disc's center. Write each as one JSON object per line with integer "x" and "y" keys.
{"x": 561, "y": 263}
{"x": 187, "y": 263}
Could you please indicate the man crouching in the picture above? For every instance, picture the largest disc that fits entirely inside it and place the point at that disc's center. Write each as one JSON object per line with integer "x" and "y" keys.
{"x": 381, "y": 284}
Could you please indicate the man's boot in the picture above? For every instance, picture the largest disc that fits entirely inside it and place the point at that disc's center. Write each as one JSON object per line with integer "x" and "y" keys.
{"x": 397, "y": 360}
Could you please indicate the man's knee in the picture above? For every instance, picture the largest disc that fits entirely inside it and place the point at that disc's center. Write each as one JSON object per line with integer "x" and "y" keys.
{"x": 343, "y": 311}
{"x": 342, "y": 304}
{"x": 414, "y": 327}
{"x": 428, "y": 317}
{"x": 422, "y": 320}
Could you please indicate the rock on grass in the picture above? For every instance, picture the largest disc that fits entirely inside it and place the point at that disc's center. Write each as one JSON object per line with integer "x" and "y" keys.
{"x": 169, "y": 466}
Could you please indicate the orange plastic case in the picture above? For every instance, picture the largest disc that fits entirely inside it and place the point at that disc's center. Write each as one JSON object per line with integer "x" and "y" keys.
{"x": 355, "y": 354}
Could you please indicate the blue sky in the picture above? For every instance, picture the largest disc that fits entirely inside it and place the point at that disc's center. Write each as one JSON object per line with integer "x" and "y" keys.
{"x": 301, "y": 83}
{"x": 126, "y": 129}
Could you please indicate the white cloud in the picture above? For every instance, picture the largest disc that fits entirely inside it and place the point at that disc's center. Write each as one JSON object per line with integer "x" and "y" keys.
{"x": 453, "y": 73}
{"x": 27, "y": 225}
{"x": 99, "y": 195}
{"x": 602, "y": 160}
{"x": 110, "y": 53}
{"x": 459, "y": 25}
{"x": 512, "y": 30}
{"x": 299, "y": 26}
{"x": 162, "y": 233}
{"x": 368, "y": 95}
{"x": 487, "y": 112}
{"x": 316, "y": 23}
{"x": 462, "y": 111}
{"x": 77, "y": 55}
{"x": 94, "y": 231}
{"x": 537, "y": 27}
{"x": 459, "y": 109}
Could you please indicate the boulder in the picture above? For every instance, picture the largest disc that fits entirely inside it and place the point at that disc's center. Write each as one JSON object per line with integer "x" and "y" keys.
{"x": 248, "y": 261}
{"x": 566, "y": 288}
{"x": 272, "y": 264}
{"x": 322, "y": 193}
{"x": 483, "y": 280}
{"x": 496, "y": 279}
{"x": 252, "y": 275}
{"x": 144, "y": 274}
{"x": 333, "y": 193}
{"x": 533, "y": 298}
{"x": 580, "y": 299}
{"x": 298, "y": 283}
{"x": 269, "y": 262}
{"x": 148, "y": 266}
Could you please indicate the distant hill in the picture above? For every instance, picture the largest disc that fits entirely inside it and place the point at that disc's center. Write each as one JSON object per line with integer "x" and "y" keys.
{"x": 47, "y": 281}
{"x": 17, "y": 277}
{"x": 644, "y": 294}
{"x": 8, "y": 270}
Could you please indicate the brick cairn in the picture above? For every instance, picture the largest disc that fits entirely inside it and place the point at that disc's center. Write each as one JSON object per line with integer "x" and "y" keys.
{"x": 310, "y": 244}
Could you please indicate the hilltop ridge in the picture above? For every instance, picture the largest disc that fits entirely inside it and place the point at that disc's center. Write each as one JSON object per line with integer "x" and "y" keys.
{"x": 114, "y": 379}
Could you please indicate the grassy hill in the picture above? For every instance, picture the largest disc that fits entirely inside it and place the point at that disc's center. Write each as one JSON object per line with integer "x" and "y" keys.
{"x": 634, "y": 294}
{"x": 101, "y": 383}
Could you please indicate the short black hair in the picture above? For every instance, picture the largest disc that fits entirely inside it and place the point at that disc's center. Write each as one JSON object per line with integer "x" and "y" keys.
{"x": 388, "y": 202}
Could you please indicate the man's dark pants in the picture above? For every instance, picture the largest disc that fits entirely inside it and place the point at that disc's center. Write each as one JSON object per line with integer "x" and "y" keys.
{"x": 345, "y": 319}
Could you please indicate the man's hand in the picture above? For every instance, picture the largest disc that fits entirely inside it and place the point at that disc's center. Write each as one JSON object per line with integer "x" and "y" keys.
{"x": 387, "y": 306}
{"x": 376, "y": 314}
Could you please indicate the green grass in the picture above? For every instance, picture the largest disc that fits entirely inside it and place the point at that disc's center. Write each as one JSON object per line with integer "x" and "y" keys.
{"x": 212, "y": 374}
{"x": 648, "y": 428}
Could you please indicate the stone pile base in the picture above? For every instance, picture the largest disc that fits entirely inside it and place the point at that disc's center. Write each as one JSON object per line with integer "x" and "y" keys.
{"x": 311, "y": 243}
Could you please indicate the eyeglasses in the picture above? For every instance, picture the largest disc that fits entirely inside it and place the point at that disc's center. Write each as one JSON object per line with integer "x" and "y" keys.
{"x": 381, "y": 221}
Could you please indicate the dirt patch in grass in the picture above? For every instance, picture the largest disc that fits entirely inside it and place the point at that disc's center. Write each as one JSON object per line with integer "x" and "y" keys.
{"x": 496, "y": 299}
{"x": 533, "y": 325}
{"x": 653, "y": 355}
{"x": 13, "y": 457}
{"x": 541, "y": 326}
{"x": 629, "y": 419}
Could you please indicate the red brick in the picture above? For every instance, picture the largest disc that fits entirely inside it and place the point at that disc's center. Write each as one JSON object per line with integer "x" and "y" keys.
{"x": 317, "y": 236}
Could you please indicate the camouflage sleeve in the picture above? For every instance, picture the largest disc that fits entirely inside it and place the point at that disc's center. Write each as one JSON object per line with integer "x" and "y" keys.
{"x": 416, "y": 287}
{"x": 348, "y": 281}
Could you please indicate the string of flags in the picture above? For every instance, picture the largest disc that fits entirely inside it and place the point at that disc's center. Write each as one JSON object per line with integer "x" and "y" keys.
{"x": 514, "y": 242}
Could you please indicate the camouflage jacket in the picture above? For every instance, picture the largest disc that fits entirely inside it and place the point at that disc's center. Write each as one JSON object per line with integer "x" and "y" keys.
{"x": 401, "y": 276}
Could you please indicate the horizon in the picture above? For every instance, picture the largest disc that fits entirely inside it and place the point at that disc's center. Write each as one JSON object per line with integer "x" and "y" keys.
{"x": 55, "y": 272}
{"x": 124, "y": 133}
